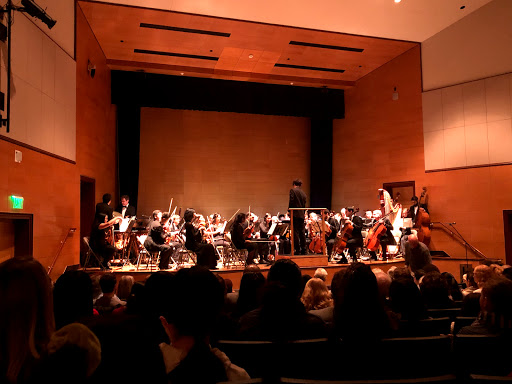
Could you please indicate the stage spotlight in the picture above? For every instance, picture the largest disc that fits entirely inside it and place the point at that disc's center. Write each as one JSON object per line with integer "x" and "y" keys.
{"x": 35, "y": 10}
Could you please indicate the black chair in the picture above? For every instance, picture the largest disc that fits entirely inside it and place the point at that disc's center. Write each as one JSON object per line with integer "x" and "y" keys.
{"x": 258, "y": 358}
{"x": 484, "y": 379}
{"x": 461, "y": 321}
{"x": 452, "y": 313}
{"x": 425, "y": 327}
{"x": 89, "y": 253}
{"x": 305, "y": 358}
{"x": 493, "y": 358}
{"x": 445, "y": 379}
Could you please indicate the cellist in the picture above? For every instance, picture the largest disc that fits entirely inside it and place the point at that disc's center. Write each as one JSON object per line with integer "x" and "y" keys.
{"x": 356, "y": 238}
{"x": 386, "y": 238}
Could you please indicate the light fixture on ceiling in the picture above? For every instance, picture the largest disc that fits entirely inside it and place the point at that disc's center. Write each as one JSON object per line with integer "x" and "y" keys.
{"x": 291, "y": 83}
{"x": 182, "y": 73}
{"x": 394, "y": 96}
{"x": 397, "y": 1}
{"x": 251, "y": 56}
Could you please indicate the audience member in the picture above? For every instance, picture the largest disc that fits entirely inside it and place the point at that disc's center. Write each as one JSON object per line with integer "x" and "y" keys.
{"x": 250, "y": 293}
{"x": 495, "y": 315}
{"x": 26, "y": 319}
{"x": 359, "y": 315}
{"x": 470, "y": 284}
{"x": 383, "y": 283}
{"x": 321, "y": 274}
{"x": 435, "y": 291}
{"x": 327, "y": 313}
{"x": 406, "y": 300}
{"x": 282, "y": 315}
{"x": 108, "y": 300}
{"x": 454, "y": 290}
{"x": 188, "y": 321}
{"x": 471, "y": 302}
{"x": 72, "y": 298}
{"x": 316, "y": 295}
{"x": 124, "y": 288}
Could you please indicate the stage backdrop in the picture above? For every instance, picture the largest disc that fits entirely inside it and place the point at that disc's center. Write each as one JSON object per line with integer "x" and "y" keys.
{"x": 220, "y": 161}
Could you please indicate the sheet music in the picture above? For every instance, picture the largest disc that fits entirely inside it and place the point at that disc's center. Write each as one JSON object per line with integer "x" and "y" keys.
{"x": 123, "y": 225}
{"x": 272, "y": 229}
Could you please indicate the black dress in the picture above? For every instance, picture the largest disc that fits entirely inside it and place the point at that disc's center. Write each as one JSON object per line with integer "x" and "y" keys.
{"x": 194, "y": 242}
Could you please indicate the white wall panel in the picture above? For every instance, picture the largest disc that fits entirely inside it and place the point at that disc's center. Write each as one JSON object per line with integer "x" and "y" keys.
{"x": 453, "y": 107}
{"x": 475, "y": 111}
{"x": 500, "y": 141}
{"x": 432, "y": 111}
{"x": 477, "y": 144}
{"x": 497, "y": 96}
{"x": 454, "y": 148}
{"x": 434, "y": 150}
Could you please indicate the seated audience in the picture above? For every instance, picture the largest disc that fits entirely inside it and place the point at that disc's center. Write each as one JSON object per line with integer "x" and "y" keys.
{"x": 327, "y": 313}
{"x": 108, "y": 300}
{"x": 406, "y": 301}
{"x": 471, "y": 302}
{"x": 321, "y": 274}
{"x": 282, "y": 315}
{"x": 454, "y": 290}
{"x": 470, "y": 284}
{"x": 26, "y": 320}
{"x": 72, "y": 298}
{"x": 124, "y": 288}
{"x": 495, "y": 317}
{"x": 434, "y": 291}
{"x": 316, "y": 295}
{"x": 250, "y": 293}
{"x": 188, "y": 321}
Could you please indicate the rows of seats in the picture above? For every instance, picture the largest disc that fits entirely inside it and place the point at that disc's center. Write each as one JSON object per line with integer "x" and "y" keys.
{"x": 389, "y": 359}
{"x": 444, "y": 379}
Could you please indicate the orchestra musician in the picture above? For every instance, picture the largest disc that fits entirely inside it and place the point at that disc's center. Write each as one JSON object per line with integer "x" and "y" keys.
{"x": 413, "y": 210}
{"x": 157, "y": 237}
{"x": 330, "y": 230}
{"x": 386, "y": 239}
{"x": 215, "y": 231}
{"x": 104, "y": 206}
{"x": 194, "y": 240}
{"x": 356, "y": 237}
{"x": 298, "y": 200}
{"x": 124, "y": 207}
{"x": 101, "y": 238}
{"x": 239, "y": 239}
{"x": 264, "y": 248}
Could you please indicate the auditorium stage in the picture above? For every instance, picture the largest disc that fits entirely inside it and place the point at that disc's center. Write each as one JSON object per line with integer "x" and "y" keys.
{"x": 308, "y": 265}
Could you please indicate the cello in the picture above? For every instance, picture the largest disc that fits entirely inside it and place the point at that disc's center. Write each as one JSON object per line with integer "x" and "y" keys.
{"x": 372, "y": 241}
{"x": 422, "y": 222}
{"x": 343, "y": 236}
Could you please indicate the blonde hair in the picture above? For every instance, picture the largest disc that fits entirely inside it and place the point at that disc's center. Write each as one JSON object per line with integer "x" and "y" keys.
{"x": 481, "y": 274}
{"x": 124, "y": 287}
{"x": 316, "y": 295}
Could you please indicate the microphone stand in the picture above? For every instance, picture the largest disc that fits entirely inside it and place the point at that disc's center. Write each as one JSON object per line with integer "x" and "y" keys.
{"x": 465, "y": 244}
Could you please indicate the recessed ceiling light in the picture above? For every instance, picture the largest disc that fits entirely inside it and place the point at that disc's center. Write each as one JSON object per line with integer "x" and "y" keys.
{"x": 291, "y": 83}
{"x": 182, "y": 73}
{"x": 251, "y": 56}
{"x": 397, "y": 1}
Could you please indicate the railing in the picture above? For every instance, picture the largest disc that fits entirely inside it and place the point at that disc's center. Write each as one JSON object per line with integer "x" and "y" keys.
{"x": 454, "y": 233}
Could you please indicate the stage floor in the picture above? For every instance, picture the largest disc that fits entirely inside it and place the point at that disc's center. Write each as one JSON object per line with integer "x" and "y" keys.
{"x": 234, "y": 273}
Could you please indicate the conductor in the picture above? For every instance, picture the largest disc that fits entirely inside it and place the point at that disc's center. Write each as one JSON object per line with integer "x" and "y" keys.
{"x": 298, "y": 200}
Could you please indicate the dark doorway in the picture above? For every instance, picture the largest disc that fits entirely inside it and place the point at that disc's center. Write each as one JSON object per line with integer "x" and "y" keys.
{"x": 16, "y": 235}
{"x": 507, "y": 226}
{"x": 87, "y": 204}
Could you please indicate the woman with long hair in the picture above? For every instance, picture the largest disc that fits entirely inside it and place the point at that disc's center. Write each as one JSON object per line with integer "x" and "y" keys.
{"x": 316, "y": 295}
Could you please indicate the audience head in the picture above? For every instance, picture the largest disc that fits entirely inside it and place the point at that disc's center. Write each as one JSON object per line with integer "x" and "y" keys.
{"x": 507, "y": 272}
{"x": 321, "y": 274}
{"x": 406, "y": 300}
{"x": 383, "y": 283}
{"x": 26, "y": 317}
{"x": 250, "y": 292}
{"x": 316, "y": 295}
{"x": 252, "y": 268}
{"x": 195, "y": 313}
{"x": 337, "y": 286}
{"x": 453, "y": 287}
{"x": 297, "y": 182}
{"x": 402, "y": 273}
{"x": 287, "y": 273}
{"x": 481, "y": 274}
{"x": 495, "y": 303}
{"x": 72, "y": 297}
{"x": 108, "y": 283}
{"x": 229, "y": 285}
{"x": 124, "y": 287}
{"x": 435, "y": 290}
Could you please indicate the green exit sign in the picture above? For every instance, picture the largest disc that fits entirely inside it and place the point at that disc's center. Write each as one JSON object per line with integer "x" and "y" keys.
{"x": 17, "y": 202}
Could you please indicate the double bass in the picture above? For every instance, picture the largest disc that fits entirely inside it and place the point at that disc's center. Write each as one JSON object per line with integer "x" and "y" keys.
{"x": 422, "y": 222}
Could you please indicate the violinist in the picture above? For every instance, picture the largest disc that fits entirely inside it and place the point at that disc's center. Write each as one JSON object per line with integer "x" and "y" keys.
{"x": 99, "y": 240}
{"x": 216, "y": 231}
{"x": 356, "y": 237}
{"x": 156, "y": 240}
{"x": 239, "y": 240}
{"x": 264, "y": 248}
{"x": 194, "y": 240}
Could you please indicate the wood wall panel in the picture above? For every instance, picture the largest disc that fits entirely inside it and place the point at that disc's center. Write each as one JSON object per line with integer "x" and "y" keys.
{"x": 216, "y": 161}
{"x": 51, "y": 187}
{"x": 381, "y": 140}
